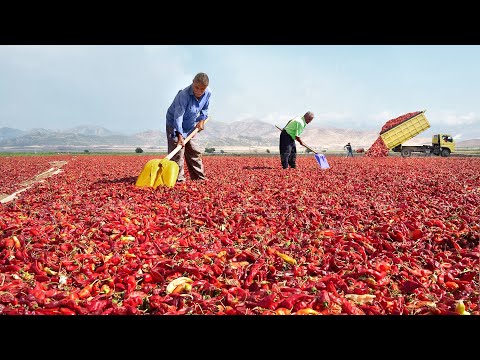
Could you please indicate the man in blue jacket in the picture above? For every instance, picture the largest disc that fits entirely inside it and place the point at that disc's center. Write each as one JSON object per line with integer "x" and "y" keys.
{"x": 188, "y": 111}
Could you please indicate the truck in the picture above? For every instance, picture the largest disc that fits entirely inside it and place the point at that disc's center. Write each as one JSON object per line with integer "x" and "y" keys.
{"x": 442, "y": 144}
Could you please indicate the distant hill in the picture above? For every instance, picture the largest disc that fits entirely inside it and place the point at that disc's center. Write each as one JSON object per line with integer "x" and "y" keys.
{"x": 250, "y": 132}
{"x": 78, "y": 136}
{"x": 473, "y": 143}
{"x": 9, "y": 133}
{"x": 91, "y": 130}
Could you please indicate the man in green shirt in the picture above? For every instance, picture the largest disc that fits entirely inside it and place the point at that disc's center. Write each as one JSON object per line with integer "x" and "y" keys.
{"x": 290, "y": 133}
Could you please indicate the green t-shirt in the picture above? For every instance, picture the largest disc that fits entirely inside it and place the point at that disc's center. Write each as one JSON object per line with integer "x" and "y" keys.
{"x": 295, "y": 126}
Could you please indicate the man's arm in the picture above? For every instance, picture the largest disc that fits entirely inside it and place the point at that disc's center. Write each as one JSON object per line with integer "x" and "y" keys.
{"x": 180, "y": 106}
{"x": 203, "y": 115}
{"x": 179, "y": 130}
{"x": 299, "y": 140}
{"x": 204, "y": 112}
{"x": 298, "y": 131}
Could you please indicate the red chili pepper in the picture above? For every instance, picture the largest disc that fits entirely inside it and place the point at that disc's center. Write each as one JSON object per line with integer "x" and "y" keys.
{"x": 253, "y": 272}
{"x": 107, "y": 311}
{"x": 71, "y": 268}
{"x": 328, "y": 277}
{"x": 418, "y": 272}
{"x": 387, "y": 245}
{"x": 438, "y": 223}
{"x": 322, "y": 300}
{"x": 383, "y": 266}
{"x": 230, "y": 299}
{"x": 96, "y": 306}
{"x": 455, "y": 245}
{"x": 147, "y": 277}
{"x": 377, "y": 275}
{"x": 225, "y": 240}
{"x": 268, "y": 302}
{"x": 272, "y": 269}
{"x": 451, "y": 285}
{"x": 230, "y": 311}
{"x": 67, "y": 262}
{"x": 301, "y": 305}
{"x": 216, "y": 270}
{"x": 38, "y": 269}
{"x": 10, "y": 268}
{"x": 80, "y": 310}
{"x": 238, "y": 292}
{"x": 291, "y": 300}
{"x": 42, "y": 278}
{"x": 299, "y": 271}
{"x": 67, "y": 311}
{"x": 86, "y": 291}
{"x": 120, "y": 287}
{"x": 131, "y": 284}
{"x": 283, "y": 311}
{"x": 51, "y": 293}
{"x": 53, "y": 311}
{"x": 34, "y": 232}
{"x": 332, "y": 289}
{"x": 48, "y": 304}
{"x": 383, "y": 282}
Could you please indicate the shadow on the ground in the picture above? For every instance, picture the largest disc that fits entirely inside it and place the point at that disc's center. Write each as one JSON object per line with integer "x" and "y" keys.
{"x": 125, "y": 180}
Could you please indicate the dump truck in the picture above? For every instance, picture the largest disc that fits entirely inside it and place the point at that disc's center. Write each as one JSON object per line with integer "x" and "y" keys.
{"x": 442, "y": 144}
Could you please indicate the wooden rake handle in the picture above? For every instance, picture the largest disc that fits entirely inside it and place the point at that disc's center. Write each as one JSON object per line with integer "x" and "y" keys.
{"x": 177, "y": 149}
{"x": 308, "y": 147}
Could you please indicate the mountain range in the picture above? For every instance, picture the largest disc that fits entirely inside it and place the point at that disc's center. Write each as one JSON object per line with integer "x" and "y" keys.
{"x": 245, "y": 133}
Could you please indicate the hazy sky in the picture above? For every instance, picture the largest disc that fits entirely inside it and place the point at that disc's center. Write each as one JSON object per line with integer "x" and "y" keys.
{"x": 129, "y": 88}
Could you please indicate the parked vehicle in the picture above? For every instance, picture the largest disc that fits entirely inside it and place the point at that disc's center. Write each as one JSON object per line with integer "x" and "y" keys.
{"x": 442, "y": 144}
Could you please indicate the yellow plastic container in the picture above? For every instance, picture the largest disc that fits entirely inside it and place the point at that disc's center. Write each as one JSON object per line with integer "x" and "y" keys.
{"x": 405, "y": 131}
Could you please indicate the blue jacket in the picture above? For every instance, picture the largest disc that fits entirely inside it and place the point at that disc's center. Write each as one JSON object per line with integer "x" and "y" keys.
{"x": 185, "y": 110}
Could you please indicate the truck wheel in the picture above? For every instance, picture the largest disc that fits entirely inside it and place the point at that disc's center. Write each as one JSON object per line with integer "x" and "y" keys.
{"x": 445, "y": 152}
{"x": 436, "y": 151}
{"x": 406, "y": 152}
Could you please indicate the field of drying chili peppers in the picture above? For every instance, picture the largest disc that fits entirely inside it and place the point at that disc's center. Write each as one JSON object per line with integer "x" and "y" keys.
{"x": 367, "y": 236}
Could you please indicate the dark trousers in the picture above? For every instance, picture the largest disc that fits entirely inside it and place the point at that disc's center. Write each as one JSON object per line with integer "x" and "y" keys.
{"x": 288, "y": 150}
